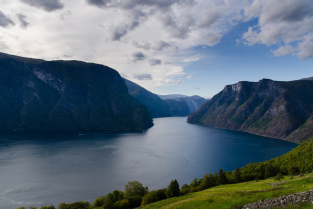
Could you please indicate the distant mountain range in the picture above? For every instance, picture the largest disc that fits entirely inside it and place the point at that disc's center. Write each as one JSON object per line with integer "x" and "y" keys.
{"x": 39, "y": 95}
{"x": 282, "y": 110}
{"x": 156, "y": 106}
{"x": 193, "y": 102}
{"x": 164, "y": 105}
{"x": 308, "y": 79}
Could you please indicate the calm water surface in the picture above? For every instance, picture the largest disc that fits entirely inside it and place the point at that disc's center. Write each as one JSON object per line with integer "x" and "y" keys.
{"x": 45, "y": 170}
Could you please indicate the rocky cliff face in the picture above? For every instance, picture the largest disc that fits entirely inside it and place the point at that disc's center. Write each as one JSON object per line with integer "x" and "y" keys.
{"x": 38, "y": 95}
{"x": 269, "y": 108}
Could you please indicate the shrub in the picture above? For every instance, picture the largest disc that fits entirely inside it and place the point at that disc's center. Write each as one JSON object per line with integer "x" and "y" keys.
{"x": 185, "y": 189}
{"x": 75, "y": 205}
{"x": 48, "y": 207}
{"x": 121, "y": 204}
{"x": 154, "y": 196}
{"x": 279, "y": 177}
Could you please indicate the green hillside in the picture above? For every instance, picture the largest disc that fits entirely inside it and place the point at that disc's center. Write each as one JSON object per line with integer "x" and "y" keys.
{"x": 236, "y": 195}
{"x": 295, "y": 162}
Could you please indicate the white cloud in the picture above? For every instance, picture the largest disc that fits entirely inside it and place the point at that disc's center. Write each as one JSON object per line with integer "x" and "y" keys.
{"x": 189, "y": 77}
{"x": 134, "y": 37}
{"x": 149, "y": 37}
{"x": 281, "y": 23}
{"x": 283, "y": 50}
{"x": 306, "y": 48}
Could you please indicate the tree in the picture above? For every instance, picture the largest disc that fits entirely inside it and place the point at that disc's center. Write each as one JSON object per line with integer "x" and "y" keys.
{"x": 207, "y": 181}
{"x": 172, "y": 189}
{"x": 99, "y": 201}
{"x": 237, "y": 175}
{"x": 269, "y": 171}
{"x": 135, "y": 188}
{"x": 294, "y": 170}
{"x": 279, "y": 177}
{"x": 222, "y": 177}
{"x": 48, "y": 207}
{"x": 109, "y": 201}
{"x": 121, "y": 204}
{"x": 194, "y": 183}
{"x": 75, "y": 205}
{"x": 154, "y": 196}
{"x": 118, "y": 195}
{"x": 185, "y": 189}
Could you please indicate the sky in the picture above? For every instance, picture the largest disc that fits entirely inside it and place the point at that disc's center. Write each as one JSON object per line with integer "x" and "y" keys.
{"x": 191, "y": 47}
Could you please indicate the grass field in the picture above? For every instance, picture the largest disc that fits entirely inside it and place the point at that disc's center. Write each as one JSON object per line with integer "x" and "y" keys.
{"x": 236, "y": 195}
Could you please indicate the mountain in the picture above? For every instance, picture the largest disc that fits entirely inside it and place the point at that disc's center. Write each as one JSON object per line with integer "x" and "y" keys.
{"x": 164, "y": 105}
{"x": 308, "y": 79}
{"x": 39, "y": 95}
{"x": 282, "y": 110}
{"x": 156, "y": 106}
{"x": 193, "y": 102}
{"x": 177, "y": 107}
{"x": 172, "y": 96}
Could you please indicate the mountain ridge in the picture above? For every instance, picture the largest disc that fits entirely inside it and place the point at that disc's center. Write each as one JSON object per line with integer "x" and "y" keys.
{"x": 193, "y": 102}
{"x": 39, "y": 95}
{"x": 268, "y": 108}
{"x": 164, "y": 105}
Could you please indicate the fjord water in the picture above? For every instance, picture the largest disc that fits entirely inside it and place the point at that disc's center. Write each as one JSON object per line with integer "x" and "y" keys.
{"x": 44, "y": 170}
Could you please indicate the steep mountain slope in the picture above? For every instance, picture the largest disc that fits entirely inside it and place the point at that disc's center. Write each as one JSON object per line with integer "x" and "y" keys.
{"x": 38, "y": 95}
{"x": 156, "y": 106}
{"x": 269, "y": 108}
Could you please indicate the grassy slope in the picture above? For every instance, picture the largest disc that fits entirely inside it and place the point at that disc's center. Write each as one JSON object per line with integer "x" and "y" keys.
{"x": 227, "y": 196}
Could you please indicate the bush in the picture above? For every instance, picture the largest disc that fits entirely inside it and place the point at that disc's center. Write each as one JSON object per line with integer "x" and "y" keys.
{"x": 154, "y": 196}
{"x": 185, "y": 189}
{"x": 48, "y": 207}
{"x": 134, "y": 201}
{"x": 75, "y": 205}
{"x": 121, "y": 204}
{"x": 279, "y": 177}
{"x": 99, "y": 201}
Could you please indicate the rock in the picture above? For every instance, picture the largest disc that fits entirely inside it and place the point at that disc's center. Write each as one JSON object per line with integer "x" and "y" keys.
{"x": 282, "y": 201}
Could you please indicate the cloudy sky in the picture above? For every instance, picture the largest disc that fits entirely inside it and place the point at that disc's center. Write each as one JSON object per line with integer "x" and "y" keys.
{"x": 168, "y": 46}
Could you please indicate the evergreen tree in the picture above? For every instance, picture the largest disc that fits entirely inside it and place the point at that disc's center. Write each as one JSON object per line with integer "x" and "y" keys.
{"x": 172, "y": 189}
{"x": 237, "y": 175}
{"x": 222, "y": 177}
